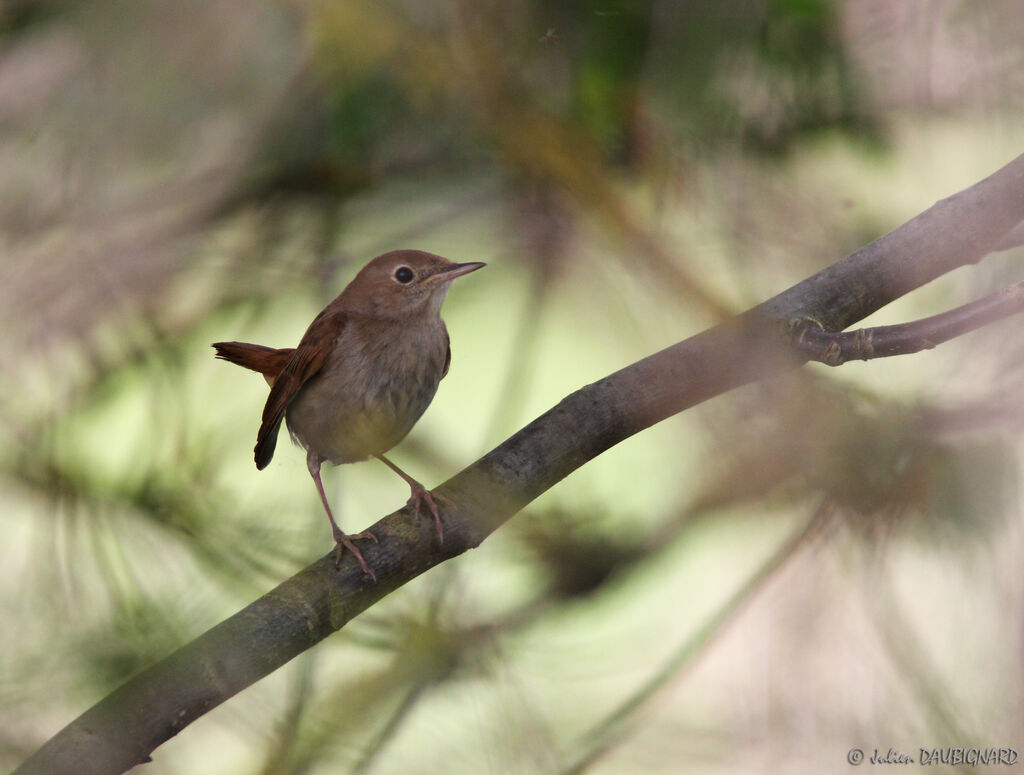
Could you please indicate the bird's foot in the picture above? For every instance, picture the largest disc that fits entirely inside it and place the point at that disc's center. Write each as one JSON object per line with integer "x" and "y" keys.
{"x": 345, "y": 541}
{"x": 421, "y": 497}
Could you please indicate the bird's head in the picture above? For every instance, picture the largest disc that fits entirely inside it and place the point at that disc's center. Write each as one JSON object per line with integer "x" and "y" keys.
{"x": 404, "y": 282}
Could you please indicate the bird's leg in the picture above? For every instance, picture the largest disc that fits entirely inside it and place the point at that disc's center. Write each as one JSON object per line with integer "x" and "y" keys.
{"x": 343, "y": 541}
{"x": 420, "y": 496}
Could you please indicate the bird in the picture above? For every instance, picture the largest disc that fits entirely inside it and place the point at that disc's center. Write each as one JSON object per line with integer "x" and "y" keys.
{"x": 362, "y": 375}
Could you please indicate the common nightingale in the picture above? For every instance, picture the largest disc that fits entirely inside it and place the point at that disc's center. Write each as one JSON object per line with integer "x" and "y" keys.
{"x": 364, "y": 372}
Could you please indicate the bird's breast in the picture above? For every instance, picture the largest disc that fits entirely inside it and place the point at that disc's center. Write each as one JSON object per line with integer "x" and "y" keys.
{"x": 378, "y": 380}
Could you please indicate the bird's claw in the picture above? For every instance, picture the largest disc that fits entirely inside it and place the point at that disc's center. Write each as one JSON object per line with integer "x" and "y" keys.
{"x": 422, "y": 496}
{"x": 345, "y": 541}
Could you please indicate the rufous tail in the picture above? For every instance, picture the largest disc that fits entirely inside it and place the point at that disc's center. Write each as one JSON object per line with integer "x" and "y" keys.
{"x": 266, "y": 360}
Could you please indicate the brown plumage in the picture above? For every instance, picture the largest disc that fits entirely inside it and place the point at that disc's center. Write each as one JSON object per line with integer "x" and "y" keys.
{"x": 255, "y": 357}
{"x": 364, "y": 372}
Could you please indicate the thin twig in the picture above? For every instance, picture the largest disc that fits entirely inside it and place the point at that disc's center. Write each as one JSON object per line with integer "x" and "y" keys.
{"x": 836, "y": 348}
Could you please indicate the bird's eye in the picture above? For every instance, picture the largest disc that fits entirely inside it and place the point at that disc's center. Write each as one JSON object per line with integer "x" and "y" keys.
{"x": 404, "y": 275}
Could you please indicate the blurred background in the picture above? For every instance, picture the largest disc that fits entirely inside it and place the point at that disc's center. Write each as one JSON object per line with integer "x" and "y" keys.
{"x": 829, "y": 560}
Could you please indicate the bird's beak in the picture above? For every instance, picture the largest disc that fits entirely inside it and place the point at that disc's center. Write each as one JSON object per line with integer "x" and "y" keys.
{"x": 457, "y": 270}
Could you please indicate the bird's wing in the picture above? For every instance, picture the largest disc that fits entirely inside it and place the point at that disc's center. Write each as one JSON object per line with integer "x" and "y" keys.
{"x": 304, "y": 363}
{"x": 447, "y": 354}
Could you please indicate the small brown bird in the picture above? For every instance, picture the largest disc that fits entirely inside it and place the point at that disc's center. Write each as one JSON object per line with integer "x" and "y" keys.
{"x": 364, "y": 372}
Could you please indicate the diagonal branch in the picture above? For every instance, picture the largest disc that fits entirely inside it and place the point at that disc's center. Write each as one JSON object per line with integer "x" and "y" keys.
{"x": 124, "y": 728}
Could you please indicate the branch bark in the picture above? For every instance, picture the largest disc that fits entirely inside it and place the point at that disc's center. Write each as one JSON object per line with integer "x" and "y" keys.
{"x": 125, "y": 727}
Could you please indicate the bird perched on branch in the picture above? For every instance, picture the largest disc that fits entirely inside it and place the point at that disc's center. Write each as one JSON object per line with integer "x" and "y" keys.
{"x": 364, "y": 372}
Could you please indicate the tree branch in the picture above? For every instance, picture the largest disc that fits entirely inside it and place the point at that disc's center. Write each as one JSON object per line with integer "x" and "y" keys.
{"x": 835, "y": 349}
{"x": 124, "y": 728}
